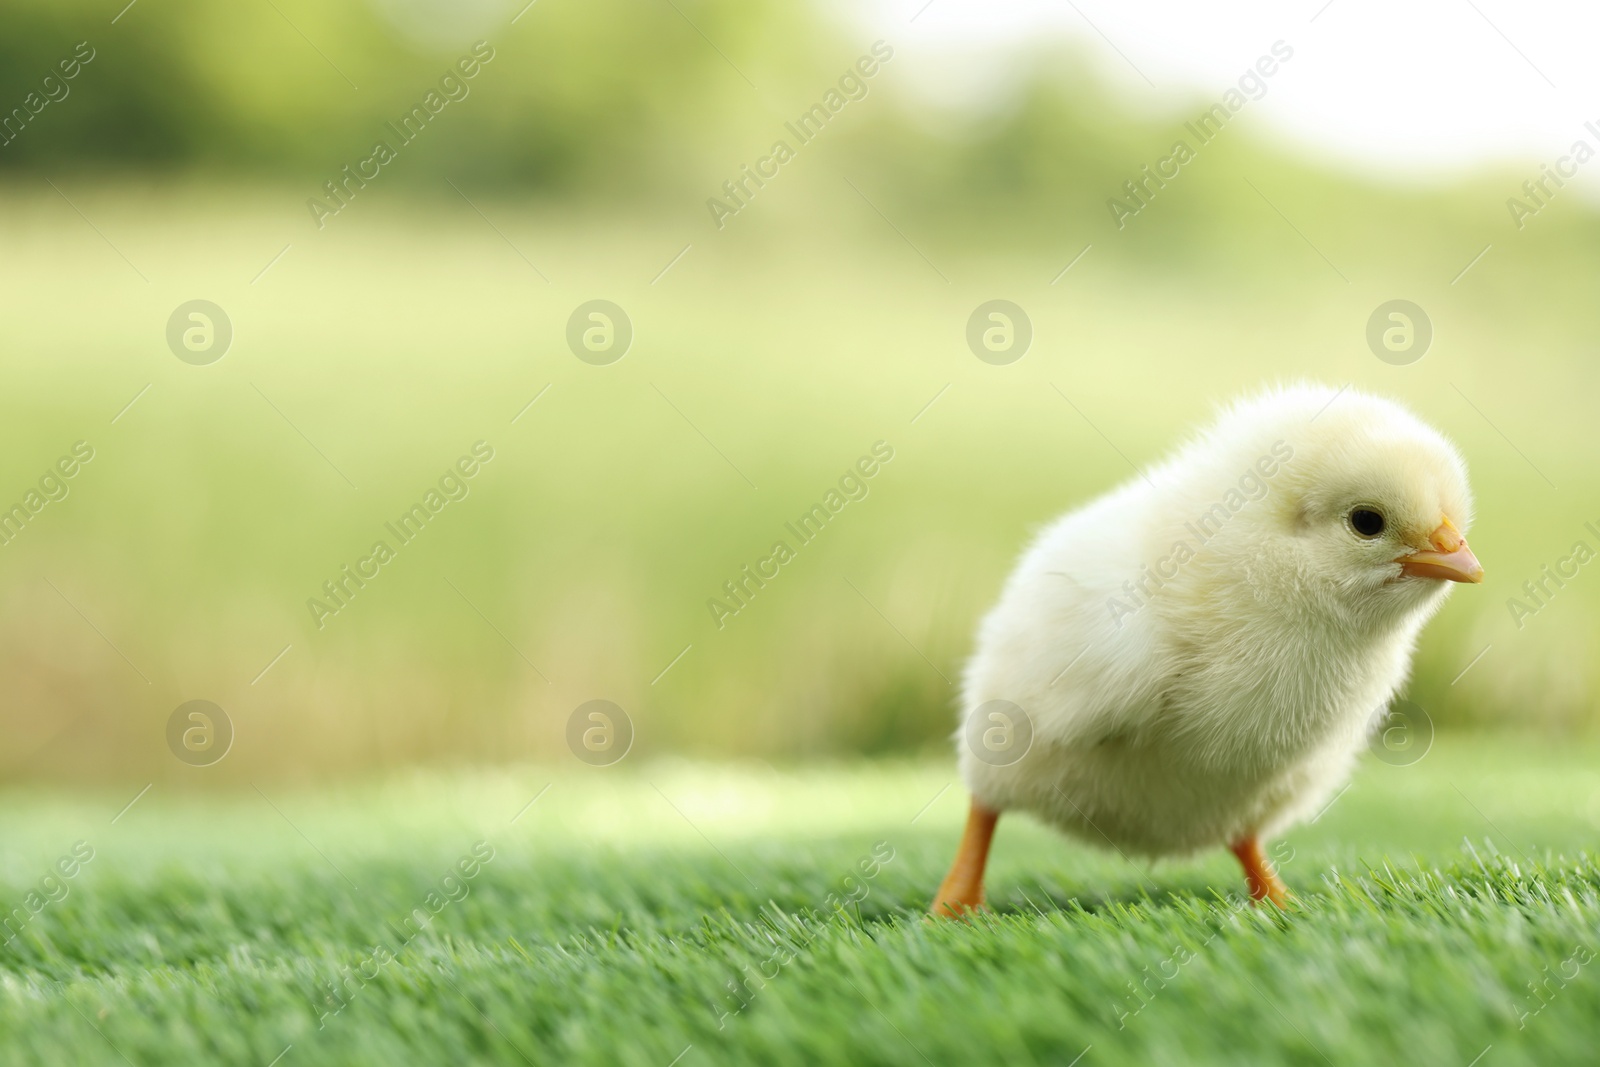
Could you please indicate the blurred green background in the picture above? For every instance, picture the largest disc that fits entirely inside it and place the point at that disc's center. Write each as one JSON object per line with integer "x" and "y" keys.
{"x": 768, "y": 355}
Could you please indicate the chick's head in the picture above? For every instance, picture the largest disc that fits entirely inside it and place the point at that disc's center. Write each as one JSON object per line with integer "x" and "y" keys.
{"x": 1378, "y": 505}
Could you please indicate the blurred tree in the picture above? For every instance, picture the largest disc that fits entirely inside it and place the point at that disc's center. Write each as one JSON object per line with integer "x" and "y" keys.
{"x": 577, "y": 96}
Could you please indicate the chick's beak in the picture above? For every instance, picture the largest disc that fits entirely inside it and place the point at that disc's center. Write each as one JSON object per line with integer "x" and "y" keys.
{"x": 1449, "y": 559}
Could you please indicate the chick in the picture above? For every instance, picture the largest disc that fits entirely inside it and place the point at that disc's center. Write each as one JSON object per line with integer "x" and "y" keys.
{"x": 1197, "y": 657}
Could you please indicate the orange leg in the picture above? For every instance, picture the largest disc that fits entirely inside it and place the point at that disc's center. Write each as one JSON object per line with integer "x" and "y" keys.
{"x": 962, "y": 889}
{"x": 1264, "y": 881}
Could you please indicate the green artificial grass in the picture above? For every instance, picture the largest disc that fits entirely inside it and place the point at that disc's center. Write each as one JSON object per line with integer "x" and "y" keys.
{"x": 702, "y": 914}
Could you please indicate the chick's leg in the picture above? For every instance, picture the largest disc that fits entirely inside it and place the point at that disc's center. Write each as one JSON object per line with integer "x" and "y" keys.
{"x": 1264, "y": 881}
{"x": 962, "y": 889}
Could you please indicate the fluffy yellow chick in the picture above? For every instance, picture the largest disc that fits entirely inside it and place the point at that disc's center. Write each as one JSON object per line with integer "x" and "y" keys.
{"x": 1197, "y": 657}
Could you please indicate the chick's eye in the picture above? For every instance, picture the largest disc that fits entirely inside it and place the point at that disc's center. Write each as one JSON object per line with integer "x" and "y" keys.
{"x": 1367, "y": 522}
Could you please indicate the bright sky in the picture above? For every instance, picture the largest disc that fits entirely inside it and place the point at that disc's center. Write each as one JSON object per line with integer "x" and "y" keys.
{"x": 1404, "y": 88}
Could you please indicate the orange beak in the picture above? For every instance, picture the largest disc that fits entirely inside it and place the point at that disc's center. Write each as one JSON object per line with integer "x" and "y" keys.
{"x": 1448, "y": 560}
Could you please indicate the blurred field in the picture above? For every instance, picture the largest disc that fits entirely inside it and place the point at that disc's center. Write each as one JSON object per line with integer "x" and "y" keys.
{"x": 770, "y": 353}
{"x": 620, "y": 917}
{"x": 620, "y": 502}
